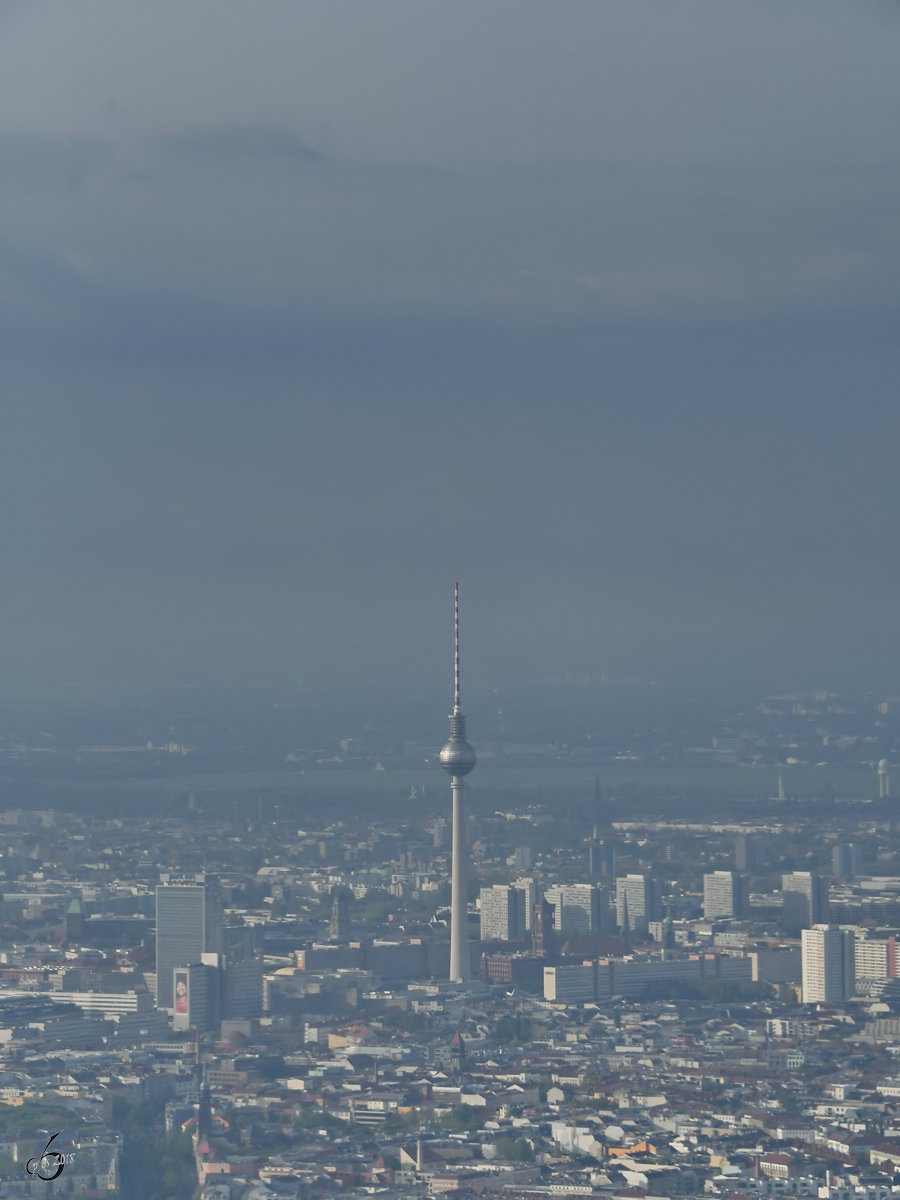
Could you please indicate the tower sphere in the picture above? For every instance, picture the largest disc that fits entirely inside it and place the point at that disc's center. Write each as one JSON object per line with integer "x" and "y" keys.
{"x": 457, "y": 757}
{"x": 883, "y": 765}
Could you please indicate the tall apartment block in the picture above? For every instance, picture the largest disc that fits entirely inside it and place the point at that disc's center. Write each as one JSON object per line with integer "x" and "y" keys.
{"x": 725, "y": 895}
{"x": 577, "y": 907}
{"x": 502, "y": 913}
{"x": 829, "y": 974}
{"x": 636, "y": 897}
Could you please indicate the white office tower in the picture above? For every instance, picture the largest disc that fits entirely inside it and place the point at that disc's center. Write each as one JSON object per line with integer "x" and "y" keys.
{"x": 724, "y": 895}
{"x": 636, "y": 898}
{"x": 502, "y": 914}
{"x": 828, "y": 964}
{"x": 804, "y": 900}
{"x": 576, "y": 907}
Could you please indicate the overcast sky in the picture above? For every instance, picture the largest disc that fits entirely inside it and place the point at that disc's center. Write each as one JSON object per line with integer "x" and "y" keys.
{"x": 308, "y": 309}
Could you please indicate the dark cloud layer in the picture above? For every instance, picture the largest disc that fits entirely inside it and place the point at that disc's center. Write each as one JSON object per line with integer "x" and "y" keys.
{"x": 592, "y": 308}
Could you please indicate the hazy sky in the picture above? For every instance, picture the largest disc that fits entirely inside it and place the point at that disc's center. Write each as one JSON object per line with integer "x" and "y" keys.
{"x": 309, "y": 308}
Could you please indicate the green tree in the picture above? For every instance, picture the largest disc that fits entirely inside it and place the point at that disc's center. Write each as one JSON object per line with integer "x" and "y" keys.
{"x": 408, "y": 1020}
{"x": 513, "y": 1029}
{"x": 514, "y": 1149}
{"x": 154, "y": 1165}
{"x": 464, "y": 1118}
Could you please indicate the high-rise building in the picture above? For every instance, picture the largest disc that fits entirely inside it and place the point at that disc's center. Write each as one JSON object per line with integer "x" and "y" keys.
{"x": 543, "y": 935}
{"x": 601, "y": 858}
{"x": 75, "y": 922}
{"x": 577, "y": 907}
{"x": 874, "y": 958}
{"x": 188, "y": 925}
{"x": 636, "y": 897}
{"x": 724, "y": 895}
{"x": 241, "y": 973}
{"x": 196, "y": 996}
{"x": 749, "y": 852}
{"x": 243, "y": 988}
{"x": 528, "y": 888}
{"x": 458, "y": 759}
{"x": 828, "y": 964}
{"x": 845, "y": 860}
{"x": 502, "y": 913}
{"x": 804, "y": 900}
{"x": 339, "y": 925}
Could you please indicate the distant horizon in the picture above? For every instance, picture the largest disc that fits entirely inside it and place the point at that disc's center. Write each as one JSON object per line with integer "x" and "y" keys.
{"x": 275, "y": 717}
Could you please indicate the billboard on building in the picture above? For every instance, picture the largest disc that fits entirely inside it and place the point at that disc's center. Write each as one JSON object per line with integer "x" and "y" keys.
{"x": 182, "y": 993}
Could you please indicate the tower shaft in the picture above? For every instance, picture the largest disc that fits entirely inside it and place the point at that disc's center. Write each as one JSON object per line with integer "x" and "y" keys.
{"x": 459, "y": 940}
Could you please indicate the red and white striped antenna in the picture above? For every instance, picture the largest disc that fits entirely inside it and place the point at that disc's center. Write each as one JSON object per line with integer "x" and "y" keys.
{"x": 456, "y": 647}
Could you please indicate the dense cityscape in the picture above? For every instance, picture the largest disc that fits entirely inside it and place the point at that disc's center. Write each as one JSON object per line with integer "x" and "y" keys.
{"x": 324, "y": 878}
{"x": 664, "y": 993}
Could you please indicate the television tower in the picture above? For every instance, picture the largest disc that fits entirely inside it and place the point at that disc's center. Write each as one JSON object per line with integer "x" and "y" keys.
{"x": 458, "y": 759}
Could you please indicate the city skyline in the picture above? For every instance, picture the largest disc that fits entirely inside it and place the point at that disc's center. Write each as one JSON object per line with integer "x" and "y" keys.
{"x": 332, "y": 996}
{"x": 306, "y": 310}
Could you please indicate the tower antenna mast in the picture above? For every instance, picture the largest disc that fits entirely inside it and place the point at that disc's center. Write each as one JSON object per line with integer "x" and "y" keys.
{"x": 456, "y": 707}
